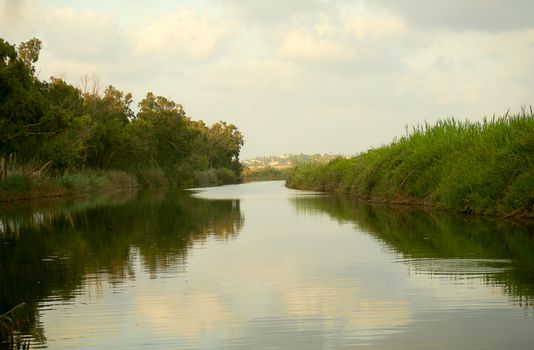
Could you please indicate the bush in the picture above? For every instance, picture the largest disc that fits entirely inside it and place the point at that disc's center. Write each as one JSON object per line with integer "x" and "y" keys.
{"x": 226, "y": 176}
{"x": 151, "y": 178}
{"x": 121, "y": 179}
{"x": 16, "y": 183}
{"x": 206, "y": 178}
{"x": 265, "y": 174}
{"x": 81, "y": 182}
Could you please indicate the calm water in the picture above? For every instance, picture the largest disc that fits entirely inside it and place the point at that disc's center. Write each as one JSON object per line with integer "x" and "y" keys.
{"x": 258, "y": 266}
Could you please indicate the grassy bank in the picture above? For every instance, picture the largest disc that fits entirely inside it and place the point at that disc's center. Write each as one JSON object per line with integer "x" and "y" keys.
{"x": 21, "y": 185}
{"x": 265, "y": 174}
{"x": 483, "y": 168}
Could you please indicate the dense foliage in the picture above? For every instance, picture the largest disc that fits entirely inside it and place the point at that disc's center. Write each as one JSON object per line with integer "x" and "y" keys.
{"x": 485, "y": 167}
{"x": 68, "y": 129}
{"x": 265, "y": 174}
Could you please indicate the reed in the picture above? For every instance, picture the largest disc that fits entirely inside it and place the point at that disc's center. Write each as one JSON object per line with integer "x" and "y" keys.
{"x": 23, "y": 184}
{"x": 10, "y": 322}
{"x": 482, "y": 167}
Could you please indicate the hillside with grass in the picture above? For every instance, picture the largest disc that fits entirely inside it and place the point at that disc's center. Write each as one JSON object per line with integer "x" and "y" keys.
{"x": 472, "y": 167}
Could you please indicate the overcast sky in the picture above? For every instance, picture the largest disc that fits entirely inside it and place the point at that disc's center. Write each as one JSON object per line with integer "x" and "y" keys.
{"x": 310, "y": 76}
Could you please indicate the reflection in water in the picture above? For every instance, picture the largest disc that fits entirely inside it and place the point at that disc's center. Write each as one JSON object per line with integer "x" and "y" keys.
{"x": 56, "y": 252}
{"x": 440, "y": 244}
{"x": 305, "y": 271}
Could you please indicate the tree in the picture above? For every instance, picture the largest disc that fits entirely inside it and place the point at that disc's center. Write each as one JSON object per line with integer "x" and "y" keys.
{"x": 172, "y": 136}
{"x": 28, "y": 53}
{"x": 21, "y": 106}
{"x": 68, "y": 146}
{"x": 225, "y": 142}
{"x": 110, "y": 115}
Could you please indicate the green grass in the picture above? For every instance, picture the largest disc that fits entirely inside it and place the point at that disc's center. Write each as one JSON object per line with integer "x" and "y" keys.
{"x": 475, "y": 167}
{"x": 23, "y": 186}
{"x": 265, "y": 174}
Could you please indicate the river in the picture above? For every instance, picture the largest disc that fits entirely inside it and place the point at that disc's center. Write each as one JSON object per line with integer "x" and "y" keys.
{"x": 259, "y": 266}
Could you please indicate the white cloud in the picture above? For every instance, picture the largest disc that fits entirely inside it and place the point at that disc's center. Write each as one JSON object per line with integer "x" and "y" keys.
{"x": 312, "y": 45}
{"x": 332, "y": 38}
{"x": 373, "y": 29}
{"x": 183, "y": 34}
{"x": 16, "y": 11}
{"x": 273, "y": 11}
{"x": 485, "y": 15}
{"x": 82, "y": 35}
{"x": 472, "y": 71}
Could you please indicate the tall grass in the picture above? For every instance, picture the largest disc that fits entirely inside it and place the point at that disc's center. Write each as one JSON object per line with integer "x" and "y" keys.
{"x": 10, "y": 323}
{"x": 474, "y": 167}
{"x": 26, "y": 185}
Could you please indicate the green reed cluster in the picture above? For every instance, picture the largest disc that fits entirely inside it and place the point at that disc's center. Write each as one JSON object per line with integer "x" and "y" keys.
{"x": 475, "y": 167}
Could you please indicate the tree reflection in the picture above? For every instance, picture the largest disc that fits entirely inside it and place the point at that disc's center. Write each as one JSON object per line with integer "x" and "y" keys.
{"x": 47, "y": 250}
{"x": 457, "y": 245}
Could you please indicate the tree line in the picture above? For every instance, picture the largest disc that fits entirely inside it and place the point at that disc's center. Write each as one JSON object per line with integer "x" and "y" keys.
{"x": 75, "y": 128}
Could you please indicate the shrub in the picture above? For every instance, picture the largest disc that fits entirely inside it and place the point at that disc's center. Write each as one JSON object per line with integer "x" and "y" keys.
{"x": 16, "y": 183}
{"x": 154, "y": 177}
{"x": 206, "y": 178}
{"x": 226, "y": 176}
{"x": 81, "y": 182}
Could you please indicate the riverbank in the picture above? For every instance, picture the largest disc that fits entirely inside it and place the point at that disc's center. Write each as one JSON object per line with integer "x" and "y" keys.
{"x": 482, "y": 168}
{"x": 265, "y": 174}
{"x": 21, "y": 187}
{"x": 25, "y": 186}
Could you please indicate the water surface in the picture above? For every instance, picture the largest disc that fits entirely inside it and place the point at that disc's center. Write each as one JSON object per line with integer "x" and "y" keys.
{"x": 258, "y": 266}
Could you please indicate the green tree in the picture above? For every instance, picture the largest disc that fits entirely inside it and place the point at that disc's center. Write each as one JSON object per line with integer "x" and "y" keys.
{"x": 28, "y": 53}
{"x": 22, "y": 106}
{"x": 110, "y": 114}
{"x": 171, "y": 134}
{"x": 224, "y": 145}
{"x": 68, "y": 146}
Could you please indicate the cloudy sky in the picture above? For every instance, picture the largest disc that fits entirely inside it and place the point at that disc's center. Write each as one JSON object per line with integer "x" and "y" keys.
{"x": 309, "y": 76}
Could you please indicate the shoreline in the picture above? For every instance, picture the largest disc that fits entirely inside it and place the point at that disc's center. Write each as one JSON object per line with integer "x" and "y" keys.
{"x": 475, "y": 168}
{"x": 427, "y": 206}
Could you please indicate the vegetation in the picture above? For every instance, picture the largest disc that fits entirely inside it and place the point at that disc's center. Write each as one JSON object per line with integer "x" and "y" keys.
{"x": 482, "y": 168}
{"x": 10, "y": 322}
{"x": 269, "y": 168}
{"x": 285, "y": 161}
{"x": 54, "y": 132}
{"x": 265, "y": 174}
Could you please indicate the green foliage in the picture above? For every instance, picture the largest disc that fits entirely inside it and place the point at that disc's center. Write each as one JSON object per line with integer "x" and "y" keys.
{"x": 28, "y": 53}
{"x": 151, "y": 178}
{"x": 81, "y": 182}
{"x": 77, "y": 129}
{"x": 206, "y": 178}
{"x": 482, "y": 167}
{"x": 214, "y": 177}
{"x": 226, "y": 176}
{"x": 265, "y": 174}
{"x": 16, "y": 183}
